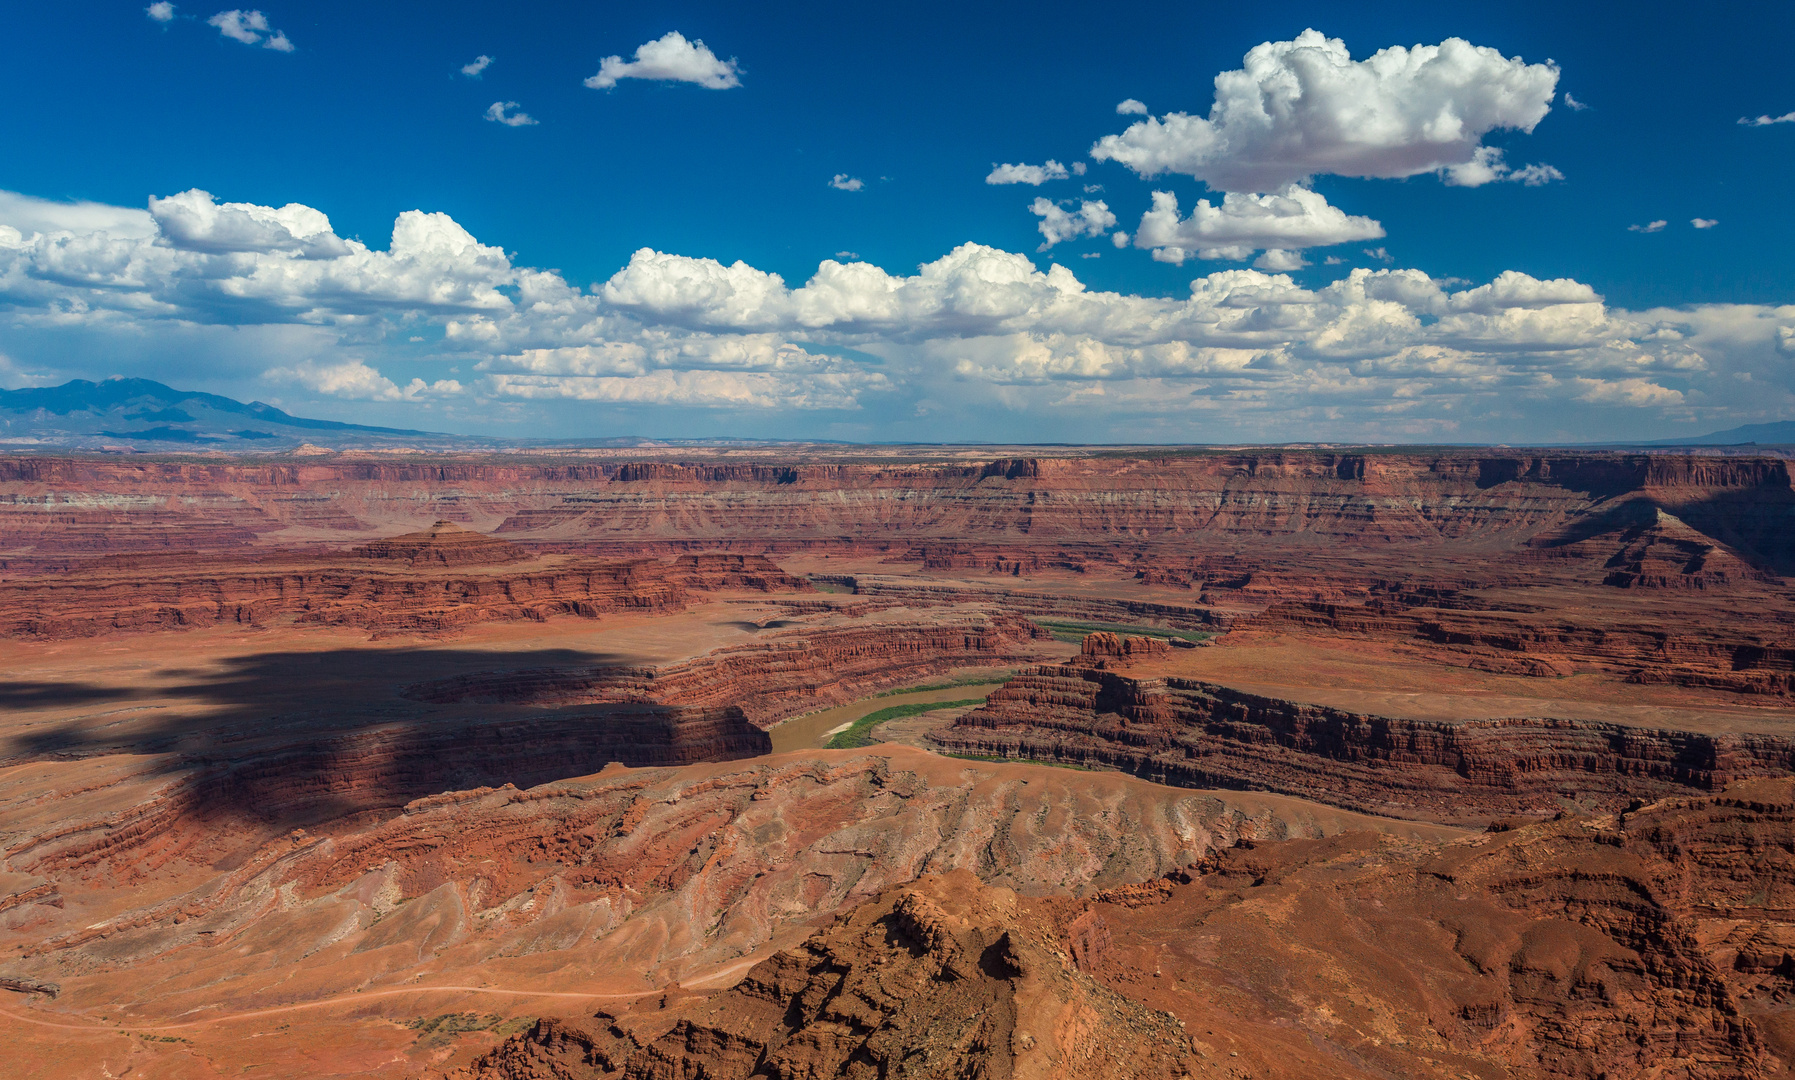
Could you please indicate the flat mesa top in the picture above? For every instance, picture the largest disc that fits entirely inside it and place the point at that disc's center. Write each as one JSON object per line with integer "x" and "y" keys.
{"x": 443, "y": 544}
{"x": 1365, "y": 678}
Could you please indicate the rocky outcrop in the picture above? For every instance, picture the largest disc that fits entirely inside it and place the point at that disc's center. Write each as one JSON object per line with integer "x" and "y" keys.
{"x": 29, "y": 986}
{"x": 1198, "y": 734}
{"x": 1103, "y": 646}
{"x": 944, "y": 977}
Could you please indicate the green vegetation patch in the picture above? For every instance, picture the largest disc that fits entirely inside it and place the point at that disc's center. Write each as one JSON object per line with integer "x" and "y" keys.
{"x": 860, "y": 732}
{"x": 441, "y": 1029}
{"x": 1074, "y": 632}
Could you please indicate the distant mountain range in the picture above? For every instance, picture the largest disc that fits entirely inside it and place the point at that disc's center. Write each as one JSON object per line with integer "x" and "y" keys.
{"x": 145, "y": 415}
{"x": 1781, "y": 433}
{"x": 142, "y": 412}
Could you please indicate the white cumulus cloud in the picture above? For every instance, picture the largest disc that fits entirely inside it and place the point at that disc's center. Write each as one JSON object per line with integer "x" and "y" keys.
{"x": 194, "y": 221}
{"x": 1766, "y": 120}
{"x": 670, "y": 58}
{"x": 1486, "y": 166}
{"x": 251, "y": 28}
{"x": 1278, "y": 261}
{"x": 162, "y": 11}
{"x": 350, "y": 379}
{"x": 354, "y": 380}
{"x": 1649, "y": 227}
{"x": 844, "y": 182}
{"x": 1026, "y": 174}
{"x": 1704, "y": 222}
{"x": 1293, "y": 218}
{"x": 1630, "y": 392}
{"x": 500, "y": 111}
{"x": 1131, "y": 107}
{"x": 473, "y": 68}
{"x": 1305, "y": 108}
{"x": 1092, "y": 218}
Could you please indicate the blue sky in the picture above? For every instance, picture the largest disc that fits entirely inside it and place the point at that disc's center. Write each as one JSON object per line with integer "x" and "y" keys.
{"x": 1603, "y": 327}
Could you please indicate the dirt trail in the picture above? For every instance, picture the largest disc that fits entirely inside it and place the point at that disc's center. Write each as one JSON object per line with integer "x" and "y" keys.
{"x": 100, "y": 1028}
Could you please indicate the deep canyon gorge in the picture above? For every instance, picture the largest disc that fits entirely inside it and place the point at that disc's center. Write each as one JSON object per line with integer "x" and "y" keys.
{"x": 1270, "y": 763}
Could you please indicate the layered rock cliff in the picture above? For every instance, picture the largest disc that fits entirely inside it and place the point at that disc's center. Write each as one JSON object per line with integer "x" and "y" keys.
{"x": 794, "y": 668}
{"x": 1355, "y": 500}
{"x": 409, "y": 585}
{"x": 443, "y": 544}
{"x": 1197, "y": 734}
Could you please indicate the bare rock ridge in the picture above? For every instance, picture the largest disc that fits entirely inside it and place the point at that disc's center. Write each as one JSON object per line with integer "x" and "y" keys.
{"x": 1197, "y": 734}
{"x": 607, "y": 874}
{"x": 892, "y": 591}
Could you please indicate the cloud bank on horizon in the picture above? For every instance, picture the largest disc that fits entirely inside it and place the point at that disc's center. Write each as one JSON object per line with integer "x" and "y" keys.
{"x": 977, "y": 329}
{"x": 977, "y": 342}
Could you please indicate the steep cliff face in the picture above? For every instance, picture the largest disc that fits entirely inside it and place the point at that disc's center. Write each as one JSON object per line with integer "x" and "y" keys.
{"x": 404, "y": 586}
{"x": 1197, "y": 734}
{"x": 1357, "y": 500}
{"x": 1707, "y": 648}
{"x": 1350, "y": 499}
